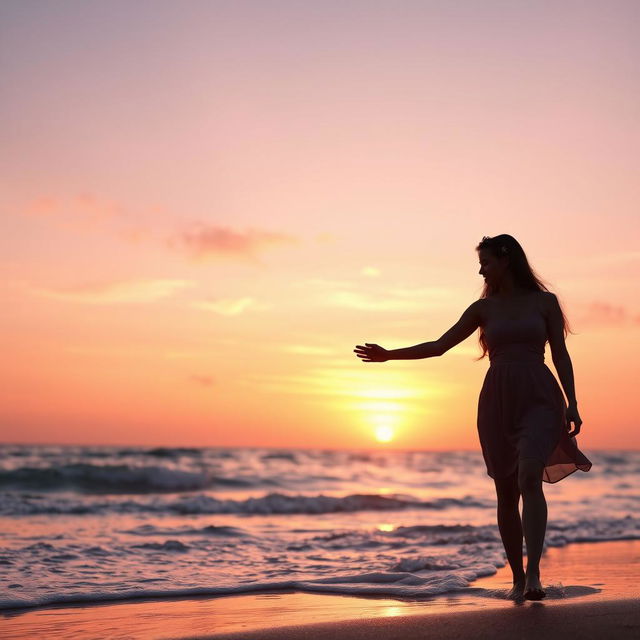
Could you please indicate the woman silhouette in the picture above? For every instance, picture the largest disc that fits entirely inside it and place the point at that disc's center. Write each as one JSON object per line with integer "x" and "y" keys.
{"x": 524, "y": 423}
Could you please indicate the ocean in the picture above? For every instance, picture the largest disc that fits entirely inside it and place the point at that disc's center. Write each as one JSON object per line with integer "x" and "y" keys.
{"x": 87, "y": 524}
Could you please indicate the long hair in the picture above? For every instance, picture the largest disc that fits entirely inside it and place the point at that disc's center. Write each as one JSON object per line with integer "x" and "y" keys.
{"x": 523, "y": 275}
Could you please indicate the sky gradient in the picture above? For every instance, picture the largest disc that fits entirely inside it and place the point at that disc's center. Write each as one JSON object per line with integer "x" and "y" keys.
{"x": 207, "y": 205}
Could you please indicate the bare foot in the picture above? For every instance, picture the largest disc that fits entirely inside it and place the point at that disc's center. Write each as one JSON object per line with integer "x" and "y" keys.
{"x": 517, "y": 591}
{"x": 533, "y": 587}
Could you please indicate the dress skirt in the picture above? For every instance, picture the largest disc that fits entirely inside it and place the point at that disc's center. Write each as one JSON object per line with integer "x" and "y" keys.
{"x": 522, "y": 414}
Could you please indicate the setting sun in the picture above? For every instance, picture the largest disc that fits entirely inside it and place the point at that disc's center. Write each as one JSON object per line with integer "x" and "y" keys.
{"x": 384, "y": 433}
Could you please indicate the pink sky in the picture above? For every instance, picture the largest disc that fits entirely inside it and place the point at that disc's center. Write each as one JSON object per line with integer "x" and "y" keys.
{"x": 207, "y": 205}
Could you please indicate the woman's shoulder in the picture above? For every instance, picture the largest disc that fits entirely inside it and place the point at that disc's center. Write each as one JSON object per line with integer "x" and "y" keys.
{"x": 548, "y": 301}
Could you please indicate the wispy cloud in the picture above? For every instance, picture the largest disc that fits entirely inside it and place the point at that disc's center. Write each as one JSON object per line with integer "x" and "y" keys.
{"x": 614, "y": 258}
{"x": 370, "y": 272}
{"x": 601, "y": 314}
{"x": 205, "y": 381}
{"x": 114, "y": 292}
{"x": 111, "y": 350}
{"x": 349, "y": 294}
{"x": 425, "y": 293}
{"x": 308, "y": 350}
{"x": 343, "y": 382}
{"x": 323, "y": 283}
{"x": 369, "y": 302}
{"x": 218, "y": 241}
{"x": 182, "y": 354}
{"x": 353, "y": 387}
{"x": 392, "y": 300}
{"x": 88, "y": 212}
{"x": 325, "y": 238}
{"x": 230, "y": 306}
{"x": 84, "y": 208}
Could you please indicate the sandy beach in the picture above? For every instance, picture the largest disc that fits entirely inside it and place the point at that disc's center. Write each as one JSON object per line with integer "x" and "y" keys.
{"x": 619, "y": 619}
{"x": 592, "y": 593}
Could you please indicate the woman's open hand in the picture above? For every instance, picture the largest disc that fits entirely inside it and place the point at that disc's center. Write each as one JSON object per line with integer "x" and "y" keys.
{"x": 371, "y": 352}
{"x": 572, "y": 415}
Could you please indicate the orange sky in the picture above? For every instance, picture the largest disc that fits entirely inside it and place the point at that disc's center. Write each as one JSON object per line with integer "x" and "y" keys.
{"x": 208, "y": 205}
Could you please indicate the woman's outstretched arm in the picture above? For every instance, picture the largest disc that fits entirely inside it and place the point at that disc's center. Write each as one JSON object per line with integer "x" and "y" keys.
{"x": 418, "y": 351}
{"x": 469, "y": 321}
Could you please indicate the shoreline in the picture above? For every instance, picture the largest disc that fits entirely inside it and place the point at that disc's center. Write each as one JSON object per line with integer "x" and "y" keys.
{"x": 587, "y": 572}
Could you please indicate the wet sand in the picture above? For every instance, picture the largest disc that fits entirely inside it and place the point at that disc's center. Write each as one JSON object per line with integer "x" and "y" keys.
{"x": 619, "y": 619}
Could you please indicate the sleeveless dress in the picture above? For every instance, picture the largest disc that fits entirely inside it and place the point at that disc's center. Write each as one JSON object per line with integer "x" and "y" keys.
{"x": 521, "y": 408}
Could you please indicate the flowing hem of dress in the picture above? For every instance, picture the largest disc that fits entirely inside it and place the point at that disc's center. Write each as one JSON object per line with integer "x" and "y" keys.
{"x": 551, "y": 477}
{"x": 567, "y": 470}
{"x": 565, "y": 460}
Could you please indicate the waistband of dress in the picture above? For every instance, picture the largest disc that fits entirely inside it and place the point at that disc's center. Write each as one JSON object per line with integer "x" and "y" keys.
{"x": 516, "y": 354}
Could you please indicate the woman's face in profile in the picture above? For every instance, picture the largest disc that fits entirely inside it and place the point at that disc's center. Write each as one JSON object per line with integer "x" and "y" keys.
{"x": 491, "y": 268}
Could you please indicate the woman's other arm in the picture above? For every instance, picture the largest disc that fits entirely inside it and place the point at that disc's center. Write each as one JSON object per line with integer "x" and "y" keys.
{"x": 562, "y": 361}
{"x": 559, "y": 353}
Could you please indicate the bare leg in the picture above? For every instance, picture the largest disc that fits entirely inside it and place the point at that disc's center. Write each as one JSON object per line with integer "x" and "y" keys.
{"x": 534, "y": 523}
{"x": 510, "y": 527}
